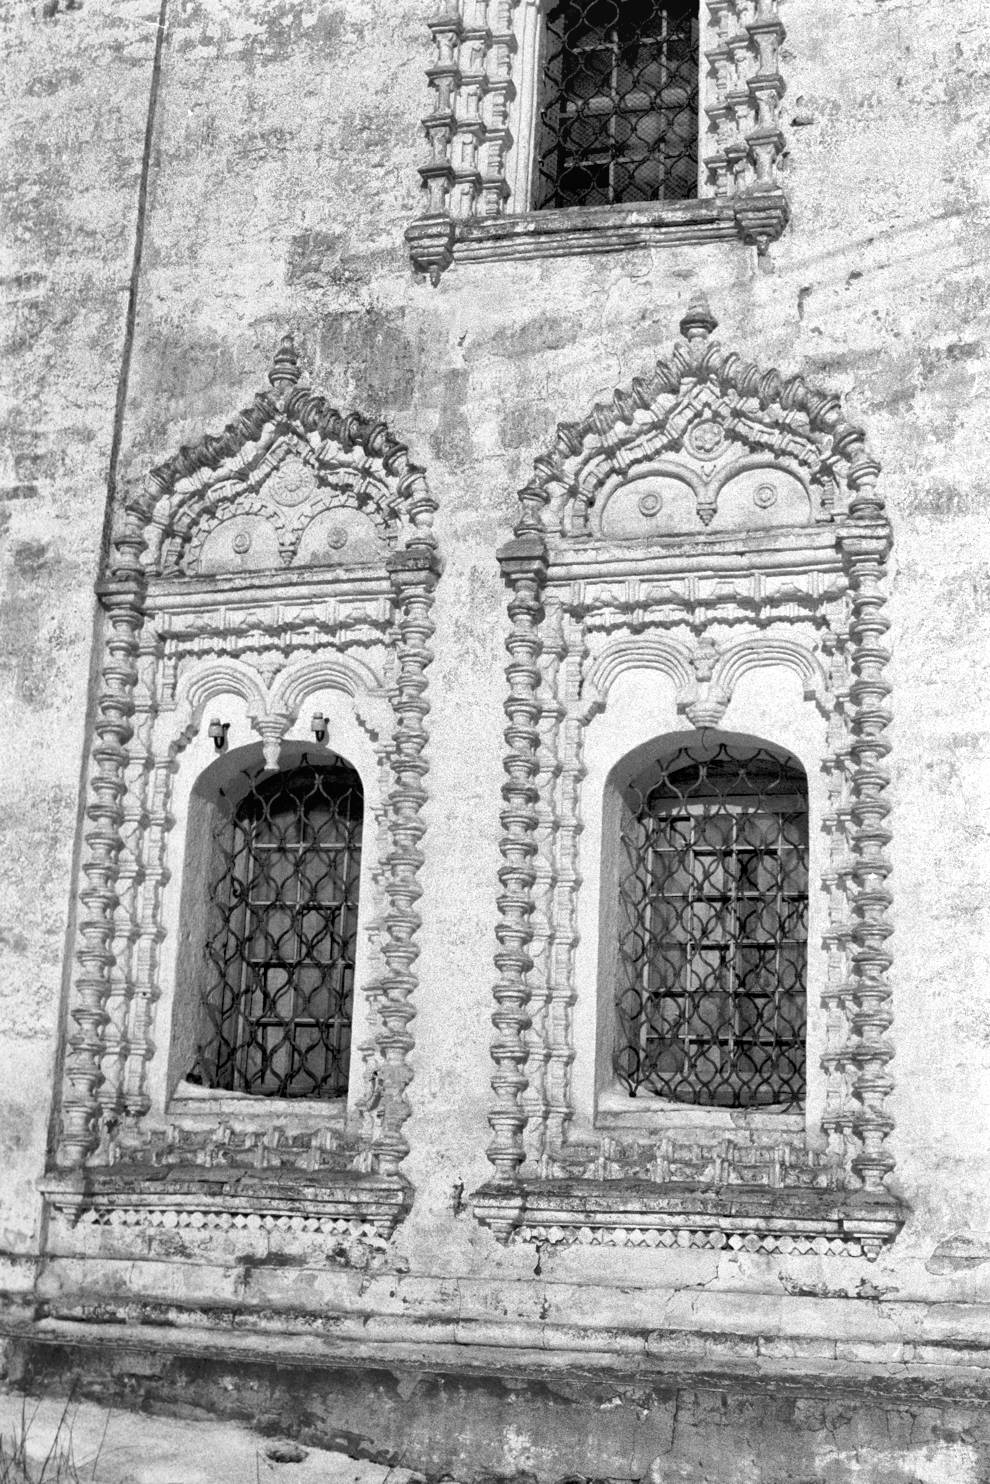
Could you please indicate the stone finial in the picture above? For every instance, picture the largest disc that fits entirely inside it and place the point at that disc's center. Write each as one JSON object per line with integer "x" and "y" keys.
{"x": 698, "y": 322}
{"x": 284, "y": 371}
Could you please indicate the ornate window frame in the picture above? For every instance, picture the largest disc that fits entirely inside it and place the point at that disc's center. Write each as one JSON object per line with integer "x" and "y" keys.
{"x": 207, "y": 657}
{"x": 481, "y": 131}
{"x": 693, "y": 611}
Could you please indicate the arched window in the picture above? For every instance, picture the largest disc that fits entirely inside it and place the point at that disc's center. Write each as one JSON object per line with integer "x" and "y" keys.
{"x": 618, "y": 120}
{"x": 281, "y": 942}
{"x": 712, "y": 928}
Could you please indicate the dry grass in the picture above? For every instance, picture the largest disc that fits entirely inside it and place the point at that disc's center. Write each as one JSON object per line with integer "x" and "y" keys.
{"x": 58, "y": 1465}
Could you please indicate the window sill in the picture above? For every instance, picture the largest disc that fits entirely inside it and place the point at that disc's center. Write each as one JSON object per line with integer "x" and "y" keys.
{"x": 192, "y": 1106}
{"x": 435, "y": 242}
{"x": 201, "y": 1197}
{"x": 617, "y": 1110}
{"x": 639, "y": 1213}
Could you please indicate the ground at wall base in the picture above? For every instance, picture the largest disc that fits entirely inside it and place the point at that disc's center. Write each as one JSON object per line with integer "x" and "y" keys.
{"x": 385, "y": 1423}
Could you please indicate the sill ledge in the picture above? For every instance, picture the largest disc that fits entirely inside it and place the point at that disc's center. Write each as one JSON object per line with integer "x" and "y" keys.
{"x": 192, "y": 1106}
{"x": 617, "y": 1110}
{"x": 435, "y": 242}
{"x": 621, "y": 1213}
{"x": 200, "y": 1196}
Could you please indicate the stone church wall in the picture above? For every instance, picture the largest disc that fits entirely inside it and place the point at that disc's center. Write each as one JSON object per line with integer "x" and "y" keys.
{"x": 147, "y": 282}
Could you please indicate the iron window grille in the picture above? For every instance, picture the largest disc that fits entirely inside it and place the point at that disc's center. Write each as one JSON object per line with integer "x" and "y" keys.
{"x": 618, "y": 121}
{"x": 713, "y": 926}
{"x": 284, "y": 909}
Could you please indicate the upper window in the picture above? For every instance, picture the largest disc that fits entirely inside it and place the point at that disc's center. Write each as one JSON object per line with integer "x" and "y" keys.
{"x": 281, "y": 946}
{"x": 712, "y": 929}
{"x": 619, "y": 116}
{"x": 652, "y": 120}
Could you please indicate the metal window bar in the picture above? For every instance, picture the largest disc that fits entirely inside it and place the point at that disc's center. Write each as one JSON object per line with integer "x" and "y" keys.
{"x": 284, "y": 904}
{"x": 618, "y": 121}
{"x": 712, "y": 950}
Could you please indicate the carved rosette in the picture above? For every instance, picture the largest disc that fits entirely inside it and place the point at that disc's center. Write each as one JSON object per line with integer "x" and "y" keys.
{"x": 168, "y": 648}
{"x": 485, "y": 83}
{"x": 737, "y": 459}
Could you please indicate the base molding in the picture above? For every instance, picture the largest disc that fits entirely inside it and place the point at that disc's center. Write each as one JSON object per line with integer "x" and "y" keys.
{"x": 479, "y": 1411}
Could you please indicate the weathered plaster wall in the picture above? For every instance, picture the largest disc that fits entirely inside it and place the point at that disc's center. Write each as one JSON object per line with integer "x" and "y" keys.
{"x": 283, "y": 174}
{"x": 74, "y": 100}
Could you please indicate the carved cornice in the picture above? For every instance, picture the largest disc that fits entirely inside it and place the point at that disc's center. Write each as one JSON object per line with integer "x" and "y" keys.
{"x": 701, "y": 398}
{"x": 182, "y": 492}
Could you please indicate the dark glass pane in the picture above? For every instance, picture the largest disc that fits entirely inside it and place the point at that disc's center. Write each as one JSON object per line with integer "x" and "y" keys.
{"x": 284, "y": 899}
{"x": 619, "y": 103}
{"x": 712, "y": 930}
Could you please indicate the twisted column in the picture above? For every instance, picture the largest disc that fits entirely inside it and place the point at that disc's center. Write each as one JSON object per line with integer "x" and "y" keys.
{"x": 130, "y": 882}
{"x": 559, "y": 1030}
{"x": 524, "y": 566}
{"x": 871, "y": 1051}
{"x": 124, "y": 607}
{"x": 500, "y": 93}
{"x": 151, "y": 935}
{"x": 534, "y": 1098}
{"x": 837, "y": 824}
{"x": 413, "y": 574}
{"x": 444, "y": 78}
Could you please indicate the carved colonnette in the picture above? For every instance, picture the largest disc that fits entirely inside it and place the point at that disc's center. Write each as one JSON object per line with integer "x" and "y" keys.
{"x": 713, "y": 520}
{"x": 292, "y": 554}
{"x": 480, "y": 131}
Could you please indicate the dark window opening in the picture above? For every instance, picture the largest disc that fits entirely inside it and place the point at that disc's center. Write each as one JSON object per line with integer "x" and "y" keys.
{"x": 618, "y": 121}
{"x": 284, "y": 911}
{"x": 713, "y": 928}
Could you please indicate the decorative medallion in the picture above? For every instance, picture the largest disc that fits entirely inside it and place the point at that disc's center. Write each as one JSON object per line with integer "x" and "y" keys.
{"x": 336, "y": 537}
{"x": 241, "y": 543}
{"x": 291, "y": 483}
{"x": 705, "y": 438}
{"x": 650, "y": 504}
{"x": 765, "y": 496}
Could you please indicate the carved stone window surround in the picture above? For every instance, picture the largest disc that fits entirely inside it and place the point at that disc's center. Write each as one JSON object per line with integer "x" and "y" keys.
{"x": 795, "y": 588}
{"x": 481, "y": 133}
{"x": 267, "y": 641}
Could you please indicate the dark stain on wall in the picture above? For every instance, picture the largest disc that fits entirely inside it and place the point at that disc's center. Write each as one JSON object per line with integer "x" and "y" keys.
{"x": 367, "y": 354}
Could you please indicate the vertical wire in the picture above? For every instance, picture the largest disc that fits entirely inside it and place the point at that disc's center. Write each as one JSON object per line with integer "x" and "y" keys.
{"x": 242, "y": 938}
{"x": 775, "y": 1035}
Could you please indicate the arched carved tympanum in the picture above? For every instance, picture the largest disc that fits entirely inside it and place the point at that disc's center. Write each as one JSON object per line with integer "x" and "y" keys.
{"x": 713, "y": 533}
{"x": 288, "y": 558}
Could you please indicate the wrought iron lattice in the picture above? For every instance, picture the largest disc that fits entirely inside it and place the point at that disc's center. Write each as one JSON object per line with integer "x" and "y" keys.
{"x": 713, "y": 928}
{"x": 619, "y": 108}
{"x": 284, "y": 899}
